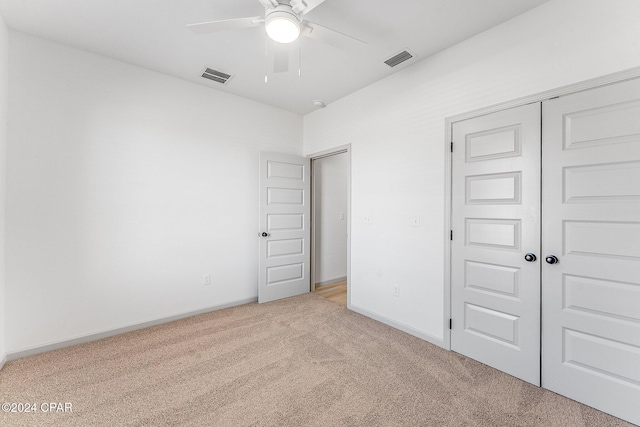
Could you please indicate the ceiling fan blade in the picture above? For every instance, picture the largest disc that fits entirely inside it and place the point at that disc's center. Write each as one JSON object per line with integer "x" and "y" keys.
{"x": 227, "y": 24}
{"x": 302, "y": 7}
{"x": 269, "y": 4}
{"x": 280, "y": 58}
{"x": 331, "y": 37}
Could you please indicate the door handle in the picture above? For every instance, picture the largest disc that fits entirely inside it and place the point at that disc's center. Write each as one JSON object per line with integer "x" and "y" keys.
{"x": 530, "y": 257}
{"x": 552, "y": 259}
{"x": 265, "y": 234}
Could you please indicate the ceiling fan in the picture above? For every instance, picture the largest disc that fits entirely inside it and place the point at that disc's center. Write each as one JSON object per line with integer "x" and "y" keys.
{"x": 284, "y": 22}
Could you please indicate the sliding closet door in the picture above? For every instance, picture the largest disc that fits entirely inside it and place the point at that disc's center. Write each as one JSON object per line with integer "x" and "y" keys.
{"x": 591, "y": 225}
{"x": 495, "y": 261}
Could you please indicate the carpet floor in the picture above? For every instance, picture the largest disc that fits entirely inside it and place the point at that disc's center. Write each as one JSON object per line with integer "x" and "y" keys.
{"x": 303, "y": 361}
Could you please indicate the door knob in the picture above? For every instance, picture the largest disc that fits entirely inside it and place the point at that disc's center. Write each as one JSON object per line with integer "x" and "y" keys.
{"x": 551, "y": 259}
{"x": 265, "y": 234}
{"x": 530, "y": 257}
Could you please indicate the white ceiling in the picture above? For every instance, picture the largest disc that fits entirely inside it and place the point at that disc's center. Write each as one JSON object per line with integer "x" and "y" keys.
{"x": 153, "y": 34}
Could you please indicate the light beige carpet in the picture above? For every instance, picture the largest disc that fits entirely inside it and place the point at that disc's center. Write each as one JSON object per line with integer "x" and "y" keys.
{"x": 304, "y": 361}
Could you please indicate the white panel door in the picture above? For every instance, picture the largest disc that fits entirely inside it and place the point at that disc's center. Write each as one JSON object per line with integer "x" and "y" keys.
{"x": 591, "y": 224}
{"x": 495, "y": 292}
{"x": 284, "y": 234}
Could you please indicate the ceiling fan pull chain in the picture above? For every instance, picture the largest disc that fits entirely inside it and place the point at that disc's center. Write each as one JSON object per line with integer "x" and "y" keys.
{"x": 266, "y": 59}
{"x": 300, "y": 57}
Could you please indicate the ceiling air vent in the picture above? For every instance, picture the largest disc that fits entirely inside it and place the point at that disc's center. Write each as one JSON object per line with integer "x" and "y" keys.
{"x": 216, "y": 76}
{"x": 398, "y": 59}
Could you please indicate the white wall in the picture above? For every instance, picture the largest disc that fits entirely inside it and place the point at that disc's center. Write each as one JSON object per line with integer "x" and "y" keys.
{"x": 4, "y": 60}
{"x": 124, "y": 187}
{"x": 330, "y": 179}
{"x": 397, "y": 131}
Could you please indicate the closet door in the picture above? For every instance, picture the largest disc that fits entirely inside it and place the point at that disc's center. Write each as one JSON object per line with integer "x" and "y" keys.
{"x": 495, "y": 285}
{"x": 591, "y": 225}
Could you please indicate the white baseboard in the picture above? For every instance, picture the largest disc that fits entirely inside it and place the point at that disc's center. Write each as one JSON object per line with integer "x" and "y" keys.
{"x": 404, "y": 328}
{"x": 3, "y": 360}
{"x": 13, "y": 355}
{"x": 331, "y": 282}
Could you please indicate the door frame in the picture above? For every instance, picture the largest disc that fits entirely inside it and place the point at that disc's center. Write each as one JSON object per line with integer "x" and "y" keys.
{"x": 607, "y": 79}
{"x": 315, "y": 156}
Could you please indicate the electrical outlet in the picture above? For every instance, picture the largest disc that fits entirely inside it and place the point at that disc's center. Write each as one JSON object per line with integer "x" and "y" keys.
{"x": 415, "y": 221}
{"x": 396, "y": 290}
{"x": 368, "y": 220}
{"x": 341, "y": 216}
{"x": 206, "y": 279}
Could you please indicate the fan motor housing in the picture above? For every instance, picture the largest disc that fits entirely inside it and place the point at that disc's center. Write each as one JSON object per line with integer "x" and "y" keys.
{"x": 282, "y": 24}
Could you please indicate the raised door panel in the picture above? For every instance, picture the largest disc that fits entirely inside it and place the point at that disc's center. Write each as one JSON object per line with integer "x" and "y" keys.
{"x": 499, "y": 279}
{"x": 287, "y": 247}
{"x": 494, "y": 189}
{"x": 617, "y": 182}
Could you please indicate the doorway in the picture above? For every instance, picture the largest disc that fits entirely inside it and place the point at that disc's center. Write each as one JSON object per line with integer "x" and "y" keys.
{"x": 297, "y": 252}
{"x": 330, "y": 225}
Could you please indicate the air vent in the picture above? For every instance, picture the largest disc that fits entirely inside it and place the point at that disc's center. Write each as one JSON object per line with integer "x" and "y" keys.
{"x": 398, "y": 59}
{"x": 216, "y": 76}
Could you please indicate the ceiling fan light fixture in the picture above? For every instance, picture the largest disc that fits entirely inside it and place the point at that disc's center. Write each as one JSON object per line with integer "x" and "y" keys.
{"x": 282, "y": 25}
